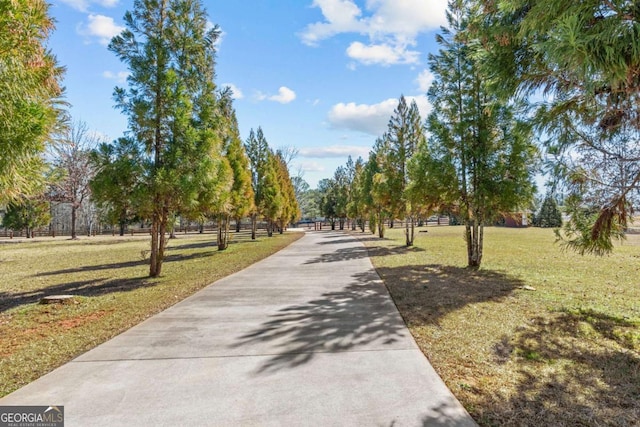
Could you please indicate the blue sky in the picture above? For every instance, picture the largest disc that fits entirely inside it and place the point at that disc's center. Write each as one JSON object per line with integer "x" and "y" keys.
{"x": 322, "y": 76}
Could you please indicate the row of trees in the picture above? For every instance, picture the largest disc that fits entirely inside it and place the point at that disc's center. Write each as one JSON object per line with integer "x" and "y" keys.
{"x": 475, "y": 154}
{"x": 182, "y": 155}
{"x": 478, "y": 161}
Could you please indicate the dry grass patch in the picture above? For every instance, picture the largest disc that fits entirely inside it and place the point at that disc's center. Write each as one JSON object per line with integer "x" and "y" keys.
{"x": 564, "y": 354}
{"x": 109, "y": 276}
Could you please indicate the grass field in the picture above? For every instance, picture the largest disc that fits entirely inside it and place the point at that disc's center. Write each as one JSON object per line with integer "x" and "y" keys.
{"x": 536, "y": 337}
{"x": 109, "y": 276}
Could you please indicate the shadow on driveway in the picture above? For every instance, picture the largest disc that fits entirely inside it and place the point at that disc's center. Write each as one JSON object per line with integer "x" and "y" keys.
{"x": 352, "y": 318}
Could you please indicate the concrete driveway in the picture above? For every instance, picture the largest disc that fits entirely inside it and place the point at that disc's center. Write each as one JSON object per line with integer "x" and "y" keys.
{"x": 306, "y": 337}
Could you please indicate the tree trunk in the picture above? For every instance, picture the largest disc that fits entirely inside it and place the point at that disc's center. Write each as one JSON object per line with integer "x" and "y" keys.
{"x": 223, "y": 232}
{"x": 153, "y": 256}
{"x": 475, "y": 237}
{"x": 254, "y": 226}
{"x": 380, "y": 226}
{"x": 122, "y": 224}
{"x": 74, "y": 213}
{"x": 341, "y": 222}
{"x": 163, "y": 238}
{"x": 238, "y": 224}
{"x": 409, "y": 230}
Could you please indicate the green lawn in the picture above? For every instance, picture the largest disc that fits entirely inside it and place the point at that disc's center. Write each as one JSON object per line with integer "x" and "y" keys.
{"x": 536, "y": 337}
{"x": 109, "y": 274}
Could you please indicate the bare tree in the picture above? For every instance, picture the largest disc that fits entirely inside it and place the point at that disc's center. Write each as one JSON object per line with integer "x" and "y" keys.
{"x": 72, "y": 169}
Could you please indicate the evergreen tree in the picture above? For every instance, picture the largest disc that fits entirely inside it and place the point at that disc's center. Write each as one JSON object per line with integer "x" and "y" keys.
{"x": 273, "y": 198}
{"x": 404, "y": 134}
{"x": 257, "y": 150}
{"x": 478, "y": 146}
{"x": 27, "y": 215}
{"x": 241, "y": 192}
{"x": 585, "y": 56}
{"x": 549, "y": 214}
{"x": 118, "y": 185}
{"x": 30, "y": 80}
{"x": 356, "y": 208}
{"x": 371, "y": 189}
{"x": 171, "y": 104}
{"x": 290, "y": 210}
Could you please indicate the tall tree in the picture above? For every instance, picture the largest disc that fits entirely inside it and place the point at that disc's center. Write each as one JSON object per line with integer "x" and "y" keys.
{"x": 327, "y": 203}
{"x": 171, "y": 104}
{"x": 290, "y": 209}
{"x": 73, "y": 169}
{"x": 404, "y": 134}
{"x": 257, "y": 149}
{"x": 356, "y": 208}
{"x": 584, "y": 55}
{"x": 371, "y": 184}
{"x": 273, "y": 198}
{"x": 30, "y": 84}
{"x": 478, "y": 146}
{"x": 241, "y": 201}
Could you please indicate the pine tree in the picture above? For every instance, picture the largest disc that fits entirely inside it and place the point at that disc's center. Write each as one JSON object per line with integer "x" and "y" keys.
{"x": 241, "y": 192}
{"x": 118, "y": 185}
{"x": 171, "y": 104}
{"x": 478, "y": 146}
{"x": 257, "y": 149}
{"x": 585, "y": 56}
{"x": 549, "y": 215}
{"x": 404, "y": 134}
{"x": 27, "y": 215}
{"x": 30, "y": 84}
{"x": 273, "y": 199}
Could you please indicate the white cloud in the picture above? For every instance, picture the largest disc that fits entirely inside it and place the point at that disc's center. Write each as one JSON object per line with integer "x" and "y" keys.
{"x": 333, "y": 151}
{"x": 391, "y": 26}
{"x": 424, "y": 80}
{"x": 311, "y": 167}
{"x": 100, "y": 26}
{"x": 237, "y": 93}
{"x": 371, "y": 118}
{"x": 83, "y": 5}
{"x": 382, "y": 54}
{"x": 284, "y": 96}
{"x": 120, "y": 76}
{"x": 367, "y": 118}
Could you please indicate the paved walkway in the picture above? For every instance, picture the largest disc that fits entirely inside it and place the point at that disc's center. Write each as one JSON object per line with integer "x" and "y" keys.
{"x": 306, "y": 337}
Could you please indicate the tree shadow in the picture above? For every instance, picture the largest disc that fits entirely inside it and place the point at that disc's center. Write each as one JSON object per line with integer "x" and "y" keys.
{"x": 342, "y": 239}
{"x": 426, "y": 293}
{"x": 127, "y": 264}
{"x": 447, "y": 414}
{"x": 360, "y": 252}
{"x": 578, "y": 368}
{"x": 359, "y": 316}
{"x": 85, "y": 288}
